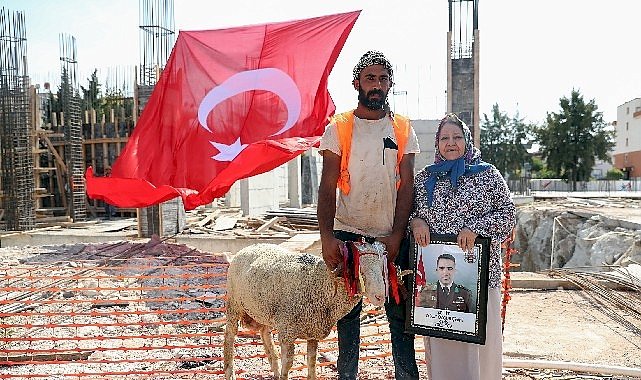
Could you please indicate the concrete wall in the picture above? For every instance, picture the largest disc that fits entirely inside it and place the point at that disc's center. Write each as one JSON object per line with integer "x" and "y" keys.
{"x": 425, "y": 132}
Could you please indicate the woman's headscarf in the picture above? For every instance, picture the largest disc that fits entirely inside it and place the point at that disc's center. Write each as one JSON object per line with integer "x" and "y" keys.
{"x": 469, "y": 163}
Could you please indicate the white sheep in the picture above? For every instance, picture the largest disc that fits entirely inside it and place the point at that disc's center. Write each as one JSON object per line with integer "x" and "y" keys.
{"x": 270, "y": 287}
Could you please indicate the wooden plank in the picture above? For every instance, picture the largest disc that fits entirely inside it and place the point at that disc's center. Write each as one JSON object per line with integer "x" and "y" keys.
{"x": 304, "y": 242}
{"x": 270, "y": 223}
{"x": 211, "y": 216}
{"x": 225, "y": 223}
{"x": 48, "y": 356}
{"x": 53, "y": 151}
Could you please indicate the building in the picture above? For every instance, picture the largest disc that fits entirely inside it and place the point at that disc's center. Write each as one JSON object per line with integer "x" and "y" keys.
{"x": 627, "y": 151}
{"x": 425, "y": 132}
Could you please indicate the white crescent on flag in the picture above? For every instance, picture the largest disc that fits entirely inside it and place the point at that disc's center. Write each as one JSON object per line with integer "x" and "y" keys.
{"x": 267, "y": 79}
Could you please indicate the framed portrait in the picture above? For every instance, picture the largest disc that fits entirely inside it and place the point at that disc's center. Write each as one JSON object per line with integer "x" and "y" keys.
{"x": 449, "y": 289}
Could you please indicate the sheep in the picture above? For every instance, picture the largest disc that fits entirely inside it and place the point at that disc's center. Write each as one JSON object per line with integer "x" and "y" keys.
{"x": 271, "y": 287}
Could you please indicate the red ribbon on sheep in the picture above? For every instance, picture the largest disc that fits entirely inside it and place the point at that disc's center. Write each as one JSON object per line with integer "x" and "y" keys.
{"x": 351, "y": 264}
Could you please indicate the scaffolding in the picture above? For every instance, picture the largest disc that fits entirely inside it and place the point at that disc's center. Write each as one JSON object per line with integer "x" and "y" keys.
{"x": 16, "y": 136}
{"x": 72, "y": 127}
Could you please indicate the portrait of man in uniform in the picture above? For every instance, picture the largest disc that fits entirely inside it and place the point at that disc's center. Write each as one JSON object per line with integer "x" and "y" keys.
{"x": 445, "y": 294}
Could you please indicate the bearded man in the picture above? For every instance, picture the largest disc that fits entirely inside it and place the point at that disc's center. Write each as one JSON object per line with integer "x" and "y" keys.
{"x": 368, "y": 154}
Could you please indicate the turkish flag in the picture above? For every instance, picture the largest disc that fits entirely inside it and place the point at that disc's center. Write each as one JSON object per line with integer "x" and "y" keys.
{"x": 230, "y": 104}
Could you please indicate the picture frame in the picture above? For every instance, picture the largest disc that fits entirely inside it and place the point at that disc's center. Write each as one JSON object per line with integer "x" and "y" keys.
{"x": 460, "y": 312}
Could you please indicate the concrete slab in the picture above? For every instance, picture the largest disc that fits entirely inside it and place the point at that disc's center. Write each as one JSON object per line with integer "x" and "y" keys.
{"x": 541, "y": 281}
{"x": 125, "y": 229}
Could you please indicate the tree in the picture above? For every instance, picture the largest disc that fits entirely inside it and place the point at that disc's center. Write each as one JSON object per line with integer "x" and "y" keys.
{"x": 91, "y": 97}
{"x": 614, "y": 174}
{"x": 572, "y": 139}
{"x": 504, "y": 141}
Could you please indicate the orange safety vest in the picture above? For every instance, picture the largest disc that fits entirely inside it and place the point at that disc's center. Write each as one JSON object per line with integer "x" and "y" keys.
{"x": 345, "y": 123}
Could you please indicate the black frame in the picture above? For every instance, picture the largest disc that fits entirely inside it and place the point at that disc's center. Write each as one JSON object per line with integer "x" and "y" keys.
{"x": 458, "y": 325}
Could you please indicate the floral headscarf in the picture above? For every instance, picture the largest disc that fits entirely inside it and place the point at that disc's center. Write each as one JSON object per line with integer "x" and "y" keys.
{"x": 469, "y": 164}
{"x": 472, "y": 154}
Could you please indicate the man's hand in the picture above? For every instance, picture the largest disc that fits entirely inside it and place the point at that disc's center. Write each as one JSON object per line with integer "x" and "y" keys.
{"x": 331, "y": 252}
{"x": 392, "y": 246}
{"x": 421, "y": 231}
{"x": 466, "y": 239}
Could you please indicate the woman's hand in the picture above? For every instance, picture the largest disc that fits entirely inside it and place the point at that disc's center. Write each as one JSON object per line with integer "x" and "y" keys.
{"x": 466, "y": 239}
{"x": 421, "y": 231}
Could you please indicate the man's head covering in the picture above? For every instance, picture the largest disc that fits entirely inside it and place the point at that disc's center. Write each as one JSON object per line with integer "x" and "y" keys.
{"x": 370, "y": 58}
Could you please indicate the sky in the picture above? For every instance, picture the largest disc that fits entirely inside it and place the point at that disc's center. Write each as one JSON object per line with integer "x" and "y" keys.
{"x": 532, "y": 53}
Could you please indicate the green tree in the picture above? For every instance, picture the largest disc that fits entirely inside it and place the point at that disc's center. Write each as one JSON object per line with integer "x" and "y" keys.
{"x": 504, "y": 141}
{"x": 56, "y": 99}
{"x": 91, "y": 97}
{"x": 614, "y": 174}
{"x": 572, "y": 139}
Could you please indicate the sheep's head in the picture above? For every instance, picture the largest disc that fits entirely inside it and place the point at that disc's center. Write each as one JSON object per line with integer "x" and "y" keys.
{"x": 373, "y": 264}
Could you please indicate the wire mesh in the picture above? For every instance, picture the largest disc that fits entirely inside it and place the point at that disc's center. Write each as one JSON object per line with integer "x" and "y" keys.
{"x": 142, "y": 310}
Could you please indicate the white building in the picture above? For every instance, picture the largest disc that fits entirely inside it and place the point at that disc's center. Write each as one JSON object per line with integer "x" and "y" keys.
{"x": 627, "y": 151}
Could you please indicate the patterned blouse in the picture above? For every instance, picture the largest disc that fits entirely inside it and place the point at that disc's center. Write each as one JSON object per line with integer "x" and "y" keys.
{"x": 481, "y": 202}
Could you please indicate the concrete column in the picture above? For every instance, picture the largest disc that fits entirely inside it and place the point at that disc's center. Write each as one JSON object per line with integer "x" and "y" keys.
{"x": 232, "y": 198}
{"x": 244, "y": 195}
{"x": 259, "y": 194}
{"x": 309, "y": 178}
{"x": 294, "y": 182}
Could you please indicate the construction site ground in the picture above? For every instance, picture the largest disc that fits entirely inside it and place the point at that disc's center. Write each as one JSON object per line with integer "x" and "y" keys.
{"x": 543, "y": 322}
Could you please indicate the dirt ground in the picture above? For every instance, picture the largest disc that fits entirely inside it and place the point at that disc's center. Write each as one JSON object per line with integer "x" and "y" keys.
{"x": 552, "y": 325}
{"x": 565, "y": 325}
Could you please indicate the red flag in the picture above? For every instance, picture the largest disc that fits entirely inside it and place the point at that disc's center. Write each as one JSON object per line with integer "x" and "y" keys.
{"x": 230, "y": 104}
{"x": 420, "y": 273}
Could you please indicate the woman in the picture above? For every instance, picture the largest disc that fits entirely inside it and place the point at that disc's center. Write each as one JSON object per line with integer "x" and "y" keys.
{"x": 464, "y": 196}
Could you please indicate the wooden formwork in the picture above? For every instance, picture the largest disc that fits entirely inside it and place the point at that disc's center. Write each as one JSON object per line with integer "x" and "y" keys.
{"x": 103, "y": 140}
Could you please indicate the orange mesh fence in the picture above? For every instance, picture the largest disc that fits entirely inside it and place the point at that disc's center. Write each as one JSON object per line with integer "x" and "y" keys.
{"x": 134, "y": 310}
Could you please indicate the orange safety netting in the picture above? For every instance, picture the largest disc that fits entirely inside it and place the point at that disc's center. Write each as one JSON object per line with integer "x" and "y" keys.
{"x": 506, "y": 284}
{"x": 134, "y": 310}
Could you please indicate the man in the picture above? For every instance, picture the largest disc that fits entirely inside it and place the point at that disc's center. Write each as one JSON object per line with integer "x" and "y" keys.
{"x": 445, "y": 294}
{"x": 368, "y": 153}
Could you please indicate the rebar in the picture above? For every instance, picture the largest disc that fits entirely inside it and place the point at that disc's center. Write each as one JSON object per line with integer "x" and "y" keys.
{"x": 463, "y": 20}
{"x": 16, "y": 133}
{"x": 157, "y": 38}
{"x": 72, "y": 127}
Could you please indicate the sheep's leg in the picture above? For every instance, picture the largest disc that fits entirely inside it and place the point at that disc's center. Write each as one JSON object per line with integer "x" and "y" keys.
{"x": 266, "y": 336}
{"x": 312, "y": 347}
{"x": 286, "y": 355}
{"x": 228, "y": 348}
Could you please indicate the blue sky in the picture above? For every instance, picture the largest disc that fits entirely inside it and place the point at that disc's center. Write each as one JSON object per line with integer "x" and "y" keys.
{"x": 532, "y": 53}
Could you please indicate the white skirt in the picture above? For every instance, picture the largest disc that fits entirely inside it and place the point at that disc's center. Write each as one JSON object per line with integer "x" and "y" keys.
{"x": 453, "y": 360}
